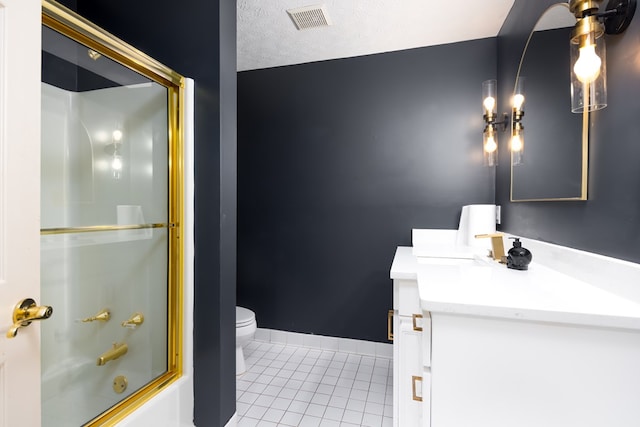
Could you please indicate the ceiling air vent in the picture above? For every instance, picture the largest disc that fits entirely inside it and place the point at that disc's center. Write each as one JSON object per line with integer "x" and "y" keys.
{"x": 310, "y": 17}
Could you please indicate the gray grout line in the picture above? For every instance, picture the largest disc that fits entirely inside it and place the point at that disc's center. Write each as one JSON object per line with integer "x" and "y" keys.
{"x": 316, "y": 390}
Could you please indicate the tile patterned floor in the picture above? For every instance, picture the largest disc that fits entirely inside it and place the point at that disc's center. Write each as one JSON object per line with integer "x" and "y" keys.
{"x": 304, "y": 387}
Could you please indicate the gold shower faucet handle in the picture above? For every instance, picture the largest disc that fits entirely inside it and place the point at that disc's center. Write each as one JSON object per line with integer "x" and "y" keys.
{"x": 102, "y": 316}
{"x": 134, "y": 321}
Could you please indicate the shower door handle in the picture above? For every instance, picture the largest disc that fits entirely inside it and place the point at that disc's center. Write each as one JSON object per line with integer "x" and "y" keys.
{"x": 25, "y": 312}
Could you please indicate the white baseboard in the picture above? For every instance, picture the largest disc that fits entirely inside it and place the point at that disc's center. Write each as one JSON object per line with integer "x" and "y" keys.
{"x": 345, "y": 345}
{"x": 233, "y": 421}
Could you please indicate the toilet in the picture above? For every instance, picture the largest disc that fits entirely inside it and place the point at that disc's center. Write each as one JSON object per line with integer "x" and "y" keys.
{"x": 245, "y": 330}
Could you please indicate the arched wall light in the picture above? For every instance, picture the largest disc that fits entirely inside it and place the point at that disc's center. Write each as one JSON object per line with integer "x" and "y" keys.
{"x": 490, "y": 132}
{"x": 516, "y": 144}
{"x": 588, "y": 53}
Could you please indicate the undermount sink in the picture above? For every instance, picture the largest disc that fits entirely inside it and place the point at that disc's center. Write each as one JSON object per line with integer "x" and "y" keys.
{"x": 477, "y": 260}
{"x": 446, "y": 261}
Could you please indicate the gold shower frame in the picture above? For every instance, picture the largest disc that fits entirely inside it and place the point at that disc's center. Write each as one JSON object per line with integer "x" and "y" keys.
{"x": 70, "y": 24}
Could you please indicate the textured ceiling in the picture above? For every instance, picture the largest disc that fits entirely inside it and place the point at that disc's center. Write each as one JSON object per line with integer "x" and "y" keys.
{"x": 268, "y": 38}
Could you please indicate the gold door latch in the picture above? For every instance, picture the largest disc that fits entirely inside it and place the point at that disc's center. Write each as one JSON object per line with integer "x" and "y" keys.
{"x": 25, "y": 312}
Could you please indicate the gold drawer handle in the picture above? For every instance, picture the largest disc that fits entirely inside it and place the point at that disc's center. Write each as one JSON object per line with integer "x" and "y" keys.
{"x": 389, "y": 325}
{"x": 415, "y": 324}
{"x": 413, "y": 388}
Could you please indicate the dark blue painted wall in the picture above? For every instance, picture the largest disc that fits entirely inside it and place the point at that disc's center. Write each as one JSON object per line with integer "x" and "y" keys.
{"x": 337, "y": 162}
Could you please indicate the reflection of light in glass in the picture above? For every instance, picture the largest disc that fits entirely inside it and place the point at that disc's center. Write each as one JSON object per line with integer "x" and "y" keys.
{"x": 102, "y": 136}
{"x": 518, "y": 100}
{"x": 516, "y": 143}
{"x": 116, "y": 165}
{"x": 113, "y": 149}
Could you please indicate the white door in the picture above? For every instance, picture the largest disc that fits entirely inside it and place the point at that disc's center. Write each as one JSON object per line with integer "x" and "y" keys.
{"x": 19, "y": 207}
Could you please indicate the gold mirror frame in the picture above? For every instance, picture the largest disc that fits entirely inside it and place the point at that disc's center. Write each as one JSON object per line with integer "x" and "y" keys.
{"x": 584, "y": 127}
{"x": 70, "y": 24}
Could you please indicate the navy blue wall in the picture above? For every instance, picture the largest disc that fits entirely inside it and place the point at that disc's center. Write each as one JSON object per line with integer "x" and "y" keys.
{"x": 608, "y": 223}
{"x": 337, "y": 162}
{"x": 197, "y": 39}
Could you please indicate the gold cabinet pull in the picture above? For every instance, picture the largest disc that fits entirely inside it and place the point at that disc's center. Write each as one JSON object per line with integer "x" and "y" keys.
{"x": 25, "y": 312}
{"x": 415, "y": 396}
{"x": 390, "y": 325}
{"x": 415, "y": 324}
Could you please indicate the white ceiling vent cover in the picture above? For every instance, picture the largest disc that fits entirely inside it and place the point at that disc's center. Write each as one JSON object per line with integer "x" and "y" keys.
{"x": 310, "y": 17}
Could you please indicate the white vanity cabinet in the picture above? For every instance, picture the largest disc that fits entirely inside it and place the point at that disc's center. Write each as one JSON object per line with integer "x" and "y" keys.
{"x": 496, "y": 372}
{"x": 555, "y": 346}
{"x": 410, "y": 331}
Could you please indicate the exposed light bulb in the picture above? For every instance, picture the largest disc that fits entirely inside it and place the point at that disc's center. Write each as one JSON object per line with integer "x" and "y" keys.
{"x": 490, "y": 144}
{"x": 587, "y": 67}
{"x": 518, "y": 101}
{"x": 117, "y": 135}
{"x": 489, "y": 104}
{"x": 516, "y": 143}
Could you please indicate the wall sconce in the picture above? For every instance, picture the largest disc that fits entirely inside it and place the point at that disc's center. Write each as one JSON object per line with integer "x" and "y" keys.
{"x": 490, "y": 135}
{"x": 517, "y": 127}
{"x": 113, "y": 150}
{"x": 588, "y": 53}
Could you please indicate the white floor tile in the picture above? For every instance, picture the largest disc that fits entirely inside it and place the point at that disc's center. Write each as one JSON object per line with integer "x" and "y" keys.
{"x": 315, "y": 410}
{"x": 370, "y": 420}
{"x": 256, "y": 412}
{"x": 334, "y": 414}
{"x": 293, "y": 386}
{"x": 274, "y": 415}
{"x": 354, "y": 417}
{"x": 309, "y": 421}
{"x": 291, "y": 419}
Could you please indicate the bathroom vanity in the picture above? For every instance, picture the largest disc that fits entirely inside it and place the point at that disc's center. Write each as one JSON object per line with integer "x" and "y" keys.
{"x": 477, "y": 344}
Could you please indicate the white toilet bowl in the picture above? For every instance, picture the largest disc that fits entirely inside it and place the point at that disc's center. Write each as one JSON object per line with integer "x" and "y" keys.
{"x": 245, "y": 330}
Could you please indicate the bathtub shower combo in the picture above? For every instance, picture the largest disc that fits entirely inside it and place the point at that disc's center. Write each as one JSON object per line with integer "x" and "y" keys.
{"x": 110, "y": 216}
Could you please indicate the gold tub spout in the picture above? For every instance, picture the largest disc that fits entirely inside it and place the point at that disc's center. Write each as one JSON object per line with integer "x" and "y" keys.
{"x": 113, "y": 353}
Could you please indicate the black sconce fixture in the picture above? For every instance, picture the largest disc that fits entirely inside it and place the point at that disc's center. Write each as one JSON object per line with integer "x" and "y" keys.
{"x": 490, "y": 135}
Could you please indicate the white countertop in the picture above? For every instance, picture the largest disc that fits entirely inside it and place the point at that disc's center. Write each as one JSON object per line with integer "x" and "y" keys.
{"x": 487, "y": 288}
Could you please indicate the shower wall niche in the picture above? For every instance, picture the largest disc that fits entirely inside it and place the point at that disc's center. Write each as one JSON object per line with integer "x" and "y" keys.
{"x": 110, "y": 224}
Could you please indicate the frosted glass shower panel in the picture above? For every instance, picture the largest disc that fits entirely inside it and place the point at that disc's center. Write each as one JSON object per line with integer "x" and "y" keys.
{"x": 104, "y": 140}
{"x": 108, "y": 227}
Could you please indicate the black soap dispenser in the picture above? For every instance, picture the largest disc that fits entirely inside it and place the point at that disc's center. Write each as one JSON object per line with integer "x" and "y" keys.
{"x": 518, "y": 258}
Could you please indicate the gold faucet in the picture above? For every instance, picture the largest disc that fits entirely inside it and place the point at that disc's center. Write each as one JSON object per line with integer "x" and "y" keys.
{"x": 103, "y": 315}
{"x": 25, "y": 312}
{"x": 113, "y": 353}
{"x": 497, "y": 246}
{"x": 135, "y": 320}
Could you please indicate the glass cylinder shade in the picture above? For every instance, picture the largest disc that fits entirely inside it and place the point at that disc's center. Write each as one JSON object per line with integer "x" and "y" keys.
{"x": 489, "y": 98}
{"x": 519, "y": 98}
{"x": 490, "y": 146}
{"x": 588, "y": 73}
{"x": 516, "y": 144}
